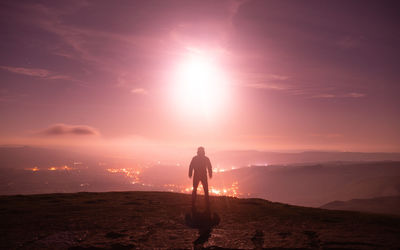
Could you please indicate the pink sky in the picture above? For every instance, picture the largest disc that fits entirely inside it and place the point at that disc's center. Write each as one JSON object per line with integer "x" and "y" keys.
{"x": 299, "y": 75}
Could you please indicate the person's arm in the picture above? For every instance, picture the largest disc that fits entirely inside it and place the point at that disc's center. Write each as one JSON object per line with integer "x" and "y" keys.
{"x": 191, "y": 169}
{"x": 209, "y": 168}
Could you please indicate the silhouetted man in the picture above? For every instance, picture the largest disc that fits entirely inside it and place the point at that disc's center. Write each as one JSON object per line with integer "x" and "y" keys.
{"x": 200, "y": 164}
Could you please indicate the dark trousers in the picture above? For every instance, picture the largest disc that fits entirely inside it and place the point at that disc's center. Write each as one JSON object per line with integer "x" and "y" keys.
{"x": 204, "y": 182}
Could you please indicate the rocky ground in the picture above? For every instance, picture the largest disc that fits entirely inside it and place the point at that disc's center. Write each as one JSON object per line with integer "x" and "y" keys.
{"x": 148, "y": 220}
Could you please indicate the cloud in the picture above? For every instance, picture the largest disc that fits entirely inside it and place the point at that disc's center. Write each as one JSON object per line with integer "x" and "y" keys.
{"x": 287, "y": 84}
{"x": 265, "y": 81}
{"x": 279, "y": 77}
{"x": 64, "y": 129}
{"x": 324, "y": 96}
{"x": 354, "y": 95}
{"x": 27, "y": 71}
{"x": 91, "y": 45}
{"x": 347, "y": 95}
{"x": 35, "y": 72}
{"x": 266, "y": 86}
{"x": 139, "y": 91}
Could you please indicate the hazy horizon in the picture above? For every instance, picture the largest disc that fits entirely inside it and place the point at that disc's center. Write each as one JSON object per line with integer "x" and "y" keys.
{"x": 307, "y": 178}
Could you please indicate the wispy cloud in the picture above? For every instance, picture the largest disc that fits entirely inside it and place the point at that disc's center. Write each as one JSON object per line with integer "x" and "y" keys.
{"x": 324, "y": 96}
{"x": 346, "y": 95}
{"x": 81, "y": 43}
{"x": 139, "y": 91}
{"x": 265, "y": 81}
{"x": 64, "y": 129}
{"x": 34, "y": 72}
{"x": 91, "y": 46}
{"x": 278, "y": 77}
{"x": 273, "y": 86}
{"x": 27, "y": 71}
{"x": 354, "y": 95}
{"x": 292, "y": 86}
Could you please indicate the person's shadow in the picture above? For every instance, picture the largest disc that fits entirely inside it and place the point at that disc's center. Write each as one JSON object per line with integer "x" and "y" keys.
{"x": 204, "y": 222}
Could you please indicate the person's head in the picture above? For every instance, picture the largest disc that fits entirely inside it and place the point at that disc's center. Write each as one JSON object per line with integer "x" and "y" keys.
{"x": 200, "y": 151}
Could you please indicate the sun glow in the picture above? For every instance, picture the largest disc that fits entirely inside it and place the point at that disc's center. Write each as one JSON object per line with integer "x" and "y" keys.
{"x": 200, "y": 86}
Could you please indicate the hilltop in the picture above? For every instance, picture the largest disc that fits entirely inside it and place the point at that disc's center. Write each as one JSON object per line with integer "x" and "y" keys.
{"x": 128, "y": 220}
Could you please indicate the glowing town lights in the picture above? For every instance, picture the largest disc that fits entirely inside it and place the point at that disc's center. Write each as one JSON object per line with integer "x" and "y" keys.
{"x": 232, "y": 191}
{"x": 52, "y": 168}
{"x": 111, "y": 170}
{"x": 134, "y": 175}
{"x": 215, "y": 191}
{"x": 34, "y": 169}
{"x": 67, "y": 168}
{"x": 129, "y": 172}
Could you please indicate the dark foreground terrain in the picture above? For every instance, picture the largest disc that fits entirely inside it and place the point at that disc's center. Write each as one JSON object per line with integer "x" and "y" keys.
{"x": 145, "y": 220}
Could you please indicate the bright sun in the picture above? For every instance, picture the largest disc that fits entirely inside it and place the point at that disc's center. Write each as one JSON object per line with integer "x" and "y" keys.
{"x": 201, "y": 86}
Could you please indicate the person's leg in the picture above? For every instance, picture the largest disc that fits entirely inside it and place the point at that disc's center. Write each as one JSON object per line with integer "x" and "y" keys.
{"x": 204, "y": 182}
{"x": 194, "y": 192}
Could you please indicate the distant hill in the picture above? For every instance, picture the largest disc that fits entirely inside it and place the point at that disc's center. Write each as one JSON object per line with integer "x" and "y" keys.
{"x": 156, "y": 220}
{"x": 316, "y": 184}
{"x": 252, "y": 157}
{"x": 384, "y": 205}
